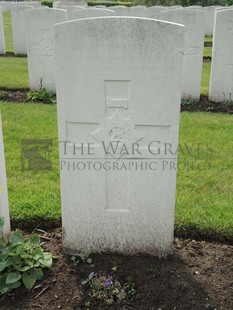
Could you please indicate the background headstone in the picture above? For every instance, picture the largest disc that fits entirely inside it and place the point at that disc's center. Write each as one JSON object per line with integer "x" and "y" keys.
{"x": 121, "y": 10}
{"x": 92, "y": 12}
{"x": 18, "y": 28}
{"x": 118, "y": 80}
{"x": 40, "y": 45}
{"x": 4, "y": 209}
{"x": 69, "y": 10}
{"x": 221, "y": 78}
{"x": 60, "y": 3}
{"x": 139, "y": 11}
{"x": 2, "y": 35}
{"x": 209, "y": 19}
{"x": 155, "y": 11}
{"x": 193, "y": 48}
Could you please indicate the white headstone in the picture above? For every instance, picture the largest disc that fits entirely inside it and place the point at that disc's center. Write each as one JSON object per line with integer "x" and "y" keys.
{"x": 118, "y": 84}
{"x": 155, "y": 11}
{"x": 2, "y": 36}
{"x": 121, "y": 10}
{"x": 139, "y": 11}
{"x": 60, "y": 3}
{"x": 209, "y": 19}
{"x": 18, "y": 28}
{"x": 195, "y": 7}
{"x": 40, "y": 47}
{"x": 193, "y": 48}
{"x": 6, "y": 6}
{"x": 92, "y": 12}
{"x": 221, "y": 79}
{"x": 70, "y": 9}
{"x": 175, "y": 7}
{"x": 4, "y": 209}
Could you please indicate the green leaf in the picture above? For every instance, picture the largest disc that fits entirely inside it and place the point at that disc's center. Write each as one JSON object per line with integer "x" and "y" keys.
{"x": 13, "y": 277}
{"x": 14, "y": 285}
{"x": 4, "y": 290}
{"x": 35, "y": 239}
{"x": 3, "y": 280}
{"x": 28, "y": 280}
{"x": 37, "y": 273}
{"x": 89, "y": 260}
{"x": 16, "y": 238}
{"x": 47, "y": 260}
{"x": 3, "y": 265}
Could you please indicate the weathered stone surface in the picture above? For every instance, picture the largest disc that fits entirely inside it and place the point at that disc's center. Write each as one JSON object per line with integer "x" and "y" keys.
{"x": 221, "y": 79}
{"x": 18, "y": 28}
{"x": 40, "y": 47}
{"x": 2, "y": 35}
{"x": 4, "y": 209}
{"x": 92, "y": 12}
{"x": 118, "y": 84}
{"x": 193, "y": 48}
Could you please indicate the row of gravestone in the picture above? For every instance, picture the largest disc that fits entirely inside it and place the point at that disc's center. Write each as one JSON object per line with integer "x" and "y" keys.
{"x": 38, "y": 25}
{"x": 118, "y": 82}
{"x": 8, "y": 5}
{"x": 150, "y": 12}
{"x": 119, "y": 85}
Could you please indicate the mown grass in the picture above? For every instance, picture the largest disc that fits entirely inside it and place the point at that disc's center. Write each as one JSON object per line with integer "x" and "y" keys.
{"x": 207, "y": 51}
{"x": 204, "y": 198}
{"x": 208, "y": 39}
{"x": 13, "y": 73}
{"x": 31, "y": 194}
{"x": 204, "y": 202}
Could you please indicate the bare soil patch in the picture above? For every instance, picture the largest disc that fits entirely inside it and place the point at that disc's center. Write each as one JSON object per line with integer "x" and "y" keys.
{"x": 197, "y": 276}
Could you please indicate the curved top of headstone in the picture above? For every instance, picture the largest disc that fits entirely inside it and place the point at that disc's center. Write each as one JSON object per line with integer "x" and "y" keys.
{"x": 183, "y": 11}
{"x": 21, "y": 7}
{"x": 92, "y": 12}
{"x": 44, "y": 11}
{"x": 118, "y": 45}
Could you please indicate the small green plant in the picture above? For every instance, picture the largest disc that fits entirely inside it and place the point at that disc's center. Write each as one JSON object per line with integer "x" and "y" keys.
{"x": 109, "y": 290}
{"x": 83, "y": 257}
{"x": 21, "y": 262}
{"x": 42, "y": 95}
{"x": 48, "y": 3}
{"x": 186, "y": 102}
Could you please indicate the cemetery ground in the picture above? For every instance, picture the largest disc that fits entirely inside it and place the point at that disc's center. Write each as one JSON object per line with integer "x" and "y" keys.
{"x": 197, "y": 276}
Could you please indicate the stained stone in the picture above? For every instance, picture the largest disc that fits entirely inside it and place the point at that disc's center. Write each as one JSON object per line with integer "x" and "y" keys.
{"x": 40, "y": 46}
{"x": 118, "y": 91}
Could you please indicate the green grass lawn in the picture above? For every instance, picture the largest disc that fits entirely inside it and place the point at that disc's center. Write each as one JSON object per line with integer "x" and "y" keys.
{"x": 13, "y": 73}
{"x": 208, "y": 39}
{"x": 204, "y": 201}
{"x": 8, "y": 32}
{"x": 204, "y": 198}
{"x": 205, "y": 78}
{"x": 14, "y": 70}
{"x": 31, "y": 194}
{"x": 207, "y": 51}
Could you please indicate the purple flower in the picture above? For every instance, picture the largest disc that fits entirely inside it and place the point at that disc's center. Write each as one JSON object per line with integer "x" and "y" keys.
{"x": 108, "y": 281}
